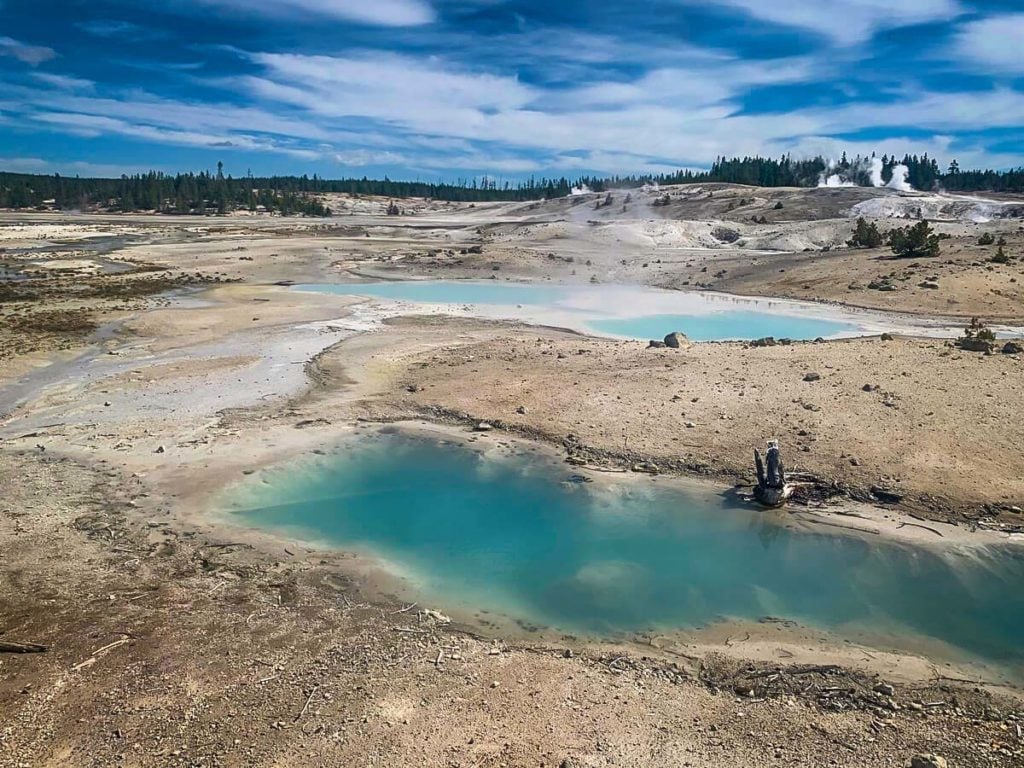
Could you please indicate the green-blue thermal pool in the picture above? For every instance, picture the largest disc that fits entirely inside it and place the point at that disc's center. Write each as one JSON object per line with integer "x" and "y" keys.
{"x": 637, "y": 312}
{"x": 509, "y": 535}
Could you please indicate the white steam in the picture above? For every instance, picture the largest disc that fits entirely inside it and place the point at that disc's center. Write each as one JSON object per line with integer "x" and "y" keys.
{"x": 582, "y": 189}
{"x": 900, "y": 179}
{"x": 872, "y": 168}
{"x": 875, "y": 172}
{"x": 835, "y": 180}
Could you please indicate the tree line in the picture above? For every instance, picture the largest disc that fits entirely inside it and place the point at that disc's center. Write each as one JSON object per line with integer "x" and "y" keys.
{"x": 213, "y": 193}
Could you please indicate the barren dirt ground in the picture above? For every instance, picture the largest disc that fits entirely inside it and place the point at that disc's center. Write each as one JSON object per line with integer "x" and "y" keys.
{"x": 147, "y": 362}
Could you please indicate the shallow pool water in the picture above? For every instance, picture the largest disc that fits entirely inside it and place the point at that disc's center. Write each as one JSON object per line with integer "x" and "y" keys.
{"x": 509, "y": 535}
{"x": 617, "y": 310}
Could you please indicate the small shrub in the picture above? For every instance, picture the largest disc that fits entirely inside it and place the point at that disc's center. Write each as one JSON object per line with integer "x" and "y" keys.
{"x": 977, "y": 337}
{"x": 778, "y": 206}
{"x": 1000, "y": 257}
{"x": 918, "y": 241}
{"x": 865, "y": 235}
{"x": 986, "y": 239}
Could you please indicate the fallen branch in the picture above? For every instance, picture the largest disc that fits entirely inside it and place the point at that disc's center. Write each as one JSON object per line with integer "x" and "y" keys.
{"x": 306, "y": 705}
{"x": 95, "y": 654}
{"x": 9, "y": 647}
{"x": 917, "y": 525}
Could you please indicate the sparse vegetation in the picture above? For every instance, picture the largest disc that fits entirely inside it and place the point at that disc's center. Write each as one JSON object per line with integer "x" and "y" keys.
{"x": 916, "y": 242}
{"x": 1000, "y": 257}
{"x": 977, "y": 337}
{"x": 866, "y": 235}
{"x": 986, "y": 239}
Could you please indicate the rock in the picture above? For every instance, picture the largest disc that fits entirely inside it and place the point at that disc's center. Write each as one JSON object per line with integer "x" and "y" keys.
{"x": 495, "y": 684}
{"x": 646, "y": 466}
{"x": 567, "y": 763}
{"x": 812, "y": 376}
{"x": 885, "y": 689}
{"x": 887, "y": 337}
{"x": 159, "y": 449}
{"x": 483, "y": 426}
{"x": 690, "y": 425}
{"x": 1012, "y": 348}
{"x": 567, "y": 653}
{"x": 928, "y": 761}
{"x": 886, "y": 496}
{"x": 725, "y": 235}
{"x": 869, "y": 387}
{"x": 677, "y": 340}
{"x": 767, "y": 341}
{"x": 973, "y": 344}
{"x": 521, "y": 410}
{"x": 929, "y": 284}
{"x": 475, "y": 249}
{"x": 106, "y": 404}
{"x": 655, "y": 344}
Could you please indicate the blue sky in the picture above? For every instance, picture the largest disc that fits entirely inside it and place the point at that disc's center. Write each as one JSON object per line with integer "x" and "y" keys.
{"x": 458, "y": 88}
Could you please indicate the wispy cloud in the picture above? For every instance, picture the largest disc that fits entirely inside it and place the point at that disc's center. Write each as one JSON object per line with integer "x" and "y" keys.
{"x": 64, "y": 82}
{"x": 852, "y": 21}
{"x": 398, "y": 86}
{"x": 995, "y": 44}
{"x": 29, "y": 54}
{"x": 123, "y": 30}
{"x": 385, "y": 13}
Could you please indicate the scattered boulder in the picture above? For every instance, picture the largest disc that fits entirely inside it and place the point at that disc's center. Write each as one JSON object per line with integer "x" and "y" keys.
{"x": 655, "y": 344}
{"x": 929, "y": 284}
{"x": 885, "y": 496}
{"x": 1012, "y": 348}
{"x": 974, "y": 344}
{"x": 475, "y": 249}
{"x": 812, "y": 376}
{"x": 887, "y": 337}
{"x": 767, "y": 341}
{"x": 725, "y": 235}
{"x": 159, "y": 449}
{"x": 521, "y": 410}
{"x": 677, "y": 340}
{"x": 483, "y": 426}
{"x": 928, "y": 761}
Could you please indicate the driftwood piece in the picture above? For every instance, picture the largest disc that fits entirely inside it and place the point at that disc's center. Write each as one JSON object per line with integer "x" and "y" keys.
{"x": 916, "y": 525}
{"x": 11, "y": 647}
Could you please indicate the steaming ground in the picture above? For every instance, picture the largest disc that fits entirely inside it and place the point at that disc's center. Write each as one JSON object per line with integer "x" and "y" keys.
{"x": 147, "y": 362}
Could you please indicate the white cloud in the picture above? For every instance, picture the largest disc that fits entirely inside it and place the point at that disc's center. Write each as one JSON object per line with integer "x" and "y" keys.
{"x": 362, "y": 157}
{"x": 427, "y": 112}
{"x": 29, "y": 54}
{"x": 851, "y": 21}
{"x": 73, "y": 168}
{"x": 993, "y": 44}
{"x": 385, "y": 13}
{"x": 64, "y": 82}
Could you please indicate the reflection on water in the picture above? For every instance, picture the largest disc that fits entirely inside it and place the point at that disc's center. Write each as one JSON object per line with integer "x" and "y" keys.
{"x": 509, "y": 536}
